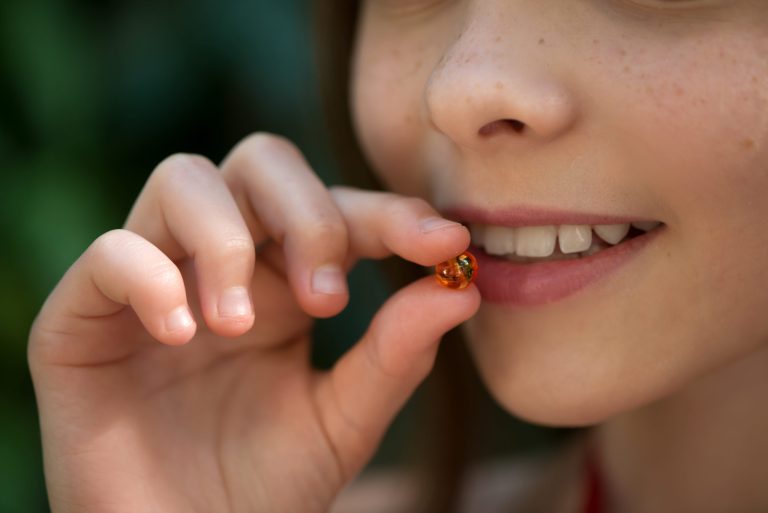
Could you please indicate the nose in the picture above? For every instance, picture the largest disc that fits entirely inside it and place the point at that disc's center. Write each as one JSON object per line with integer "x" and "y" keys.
{"x": 489, "y": 90}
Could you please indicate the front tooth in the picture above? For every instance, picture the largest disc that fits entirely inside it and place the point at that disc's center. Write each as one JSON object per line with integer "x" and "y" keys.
{"x": 574, "y": 238}
{"x": 594, "y": 248}
{"x": 646, "y": 226}
{"x": 535, "y": 241}
{"x": 499, "y": 240}
{"x": 477, "y": 234}
{"x": 612, "y": 233}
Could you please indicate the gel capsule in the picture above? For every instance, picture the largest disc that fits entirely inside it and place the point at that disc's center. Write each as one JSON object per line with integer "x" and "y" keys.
{"x": 458, "y": 272}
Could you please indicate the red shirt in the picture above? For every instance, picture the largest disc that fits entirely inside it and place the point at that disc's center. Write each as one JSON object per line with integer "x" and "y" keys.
{"x": 593, "y": 502}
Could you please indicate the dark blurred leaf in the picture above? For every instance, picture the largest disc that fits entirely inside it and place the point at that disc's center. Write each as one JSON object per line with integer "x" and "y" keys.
{"x": 49, "y": 52}
{"x": 56, "y": 212}
{"x": 21, "y": 488}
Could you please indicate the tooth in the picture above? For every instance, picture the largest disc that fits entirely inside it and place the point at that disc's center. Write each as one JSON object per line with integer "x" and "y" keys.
{"x": 499, "y": 240}
{"x": 574, "y": 238}
{"x": 646, "y": 226}
{"x": 535, "y": 241}
{"x": 612, "y": 233}
{"x": 594, "y": 248}
{"x": 477, "y": 233}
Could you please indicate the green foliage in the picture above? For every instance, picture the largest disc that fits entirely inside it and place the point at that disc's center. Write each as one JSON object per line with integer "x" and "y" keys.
{"x": 94, "y": 95}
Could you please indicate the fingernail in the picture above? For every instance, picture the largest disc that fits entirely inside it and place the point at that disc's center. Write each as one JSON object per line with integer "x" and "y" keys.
{"x": 431, "y": 224}
{"x": 328, "y": 279}
{"x": 234, "y": 302}
{"x": 179, "y": 319}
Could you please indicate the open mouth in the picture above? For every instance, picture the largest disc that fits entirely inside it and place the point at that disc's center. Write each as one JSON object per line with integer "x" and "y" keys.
{"x": 531, "y": 244}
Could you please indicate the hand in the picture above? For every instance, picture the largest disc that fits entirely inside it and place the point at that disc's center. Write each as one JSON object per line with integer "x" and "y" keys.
{"x": 144, "y": 410}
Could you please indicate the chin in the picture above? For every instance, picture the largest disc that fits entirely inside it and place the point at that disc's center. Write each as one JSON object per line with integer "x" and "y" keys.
{"x": 560, "y": 367}
{"x": 583, "y": 393}
{"x": 563, "y": 412}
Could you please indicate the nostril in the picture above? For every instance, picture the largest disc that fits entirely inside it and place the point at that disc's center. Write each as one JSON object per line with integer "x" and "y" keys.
{"x": 515, "y": 125}
{"x": 502, "y": 125}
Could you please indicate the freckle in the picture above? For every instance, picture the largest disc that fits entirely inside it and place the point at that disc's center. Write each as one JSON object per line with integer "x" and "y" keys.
{"x": 754, "y": 79}
{"x": 678, "y": 90}
{"x": 595, "y": 41}
{"x": 497, "y": 39}
{"x": 499, "y": 85}
{"x": 626, "y": 69}
{"x": 623, "y": 52}
{"x": 541, "y": 41}
{"x": 747, "y": 144}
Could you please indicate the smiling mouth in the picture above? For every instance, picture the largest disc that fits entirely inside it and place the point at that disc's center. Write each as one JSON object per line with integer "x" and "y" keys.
{"x": 531, "y": 244}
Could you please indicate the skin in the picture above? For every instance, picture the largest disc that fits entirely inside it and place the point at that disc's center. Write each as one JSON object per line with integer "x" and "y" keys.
{"x": 650, "y": 109}
{"x": 141, "y": 410}
{"x": 655, "y": 110}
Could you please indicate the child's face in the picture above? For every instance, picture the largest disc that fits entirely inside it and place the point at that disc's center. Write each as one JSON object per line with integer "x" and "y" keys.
{"x": 650, "y": 109}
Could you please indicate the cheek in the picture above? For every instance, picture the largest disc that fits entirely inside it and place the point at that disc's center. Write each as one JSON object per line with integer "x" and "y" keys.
{"x": 386, "y": 103}
{"x": 701, "y": 128}
{"x": 704, "y": 138}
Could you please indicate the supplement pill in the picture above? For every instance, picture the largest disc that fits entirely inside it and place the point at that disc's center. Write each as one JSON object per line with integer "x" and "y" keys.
{"x": 458, "y": 272}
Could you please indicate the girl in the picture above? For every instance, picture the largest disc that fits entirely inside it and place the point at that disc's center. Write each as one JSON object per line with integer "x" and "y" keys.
{"x": 610, "y": 158}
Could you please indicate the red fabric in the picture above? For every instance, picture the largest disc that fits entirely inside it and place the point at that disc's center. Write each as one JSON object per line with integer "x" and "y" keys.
{"x": 593, "y": 502}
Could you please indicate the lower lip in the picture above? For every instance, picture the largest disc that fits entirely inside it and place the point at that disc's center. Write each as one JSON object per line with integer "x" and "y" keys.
{"x": 512, "y": 283}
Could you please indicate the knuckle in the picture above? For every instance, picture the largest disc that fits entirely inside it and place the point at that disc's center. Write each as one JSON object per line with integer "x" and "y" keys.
{"x": 337, "y": 191}
{"x": 236, "y": 247}
{"x": 385, "y": 366}
{"x": 324, "y": 231}
{"x": 162, "y": 274}
{"x": 409, "y": 206}
{"x": 254, "y": 152}
{"x": 111, "y": 243}
{"x": 266, "y": 142}
{"x": 114, "y": 248}
{"x": 348, "y": 197}
{"x": 183, "y": 167}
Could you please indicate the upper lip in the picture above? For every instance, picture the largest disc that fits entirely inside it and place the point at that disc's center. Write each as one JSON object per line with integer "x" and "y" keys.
{"x": 514, "y": 216}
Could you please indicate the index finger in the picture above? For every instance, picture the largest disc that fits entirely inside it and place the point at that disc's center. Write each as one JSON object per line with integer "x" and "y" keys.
{"x": 381, "y": 224}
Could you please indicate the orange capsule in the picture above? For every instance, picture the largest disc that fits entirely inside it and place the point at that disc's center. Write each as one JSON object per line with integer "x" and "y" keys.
{"x": 458, "y": 272}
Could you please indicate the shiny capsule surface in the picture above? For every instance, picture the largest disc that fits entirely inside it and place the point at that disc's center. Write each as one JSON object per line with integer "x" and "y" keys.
{"x": 457, "y": 273}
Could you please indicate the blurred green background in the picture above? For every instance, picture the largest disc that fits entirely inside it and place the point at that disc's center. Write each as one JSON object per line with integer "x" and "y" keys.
{"x": 94, "y": 95}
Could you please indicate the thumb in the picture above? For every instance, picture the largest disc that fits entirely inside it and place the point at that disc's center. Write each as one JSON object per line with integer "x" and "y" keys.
{"x": 361, "y": 395}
